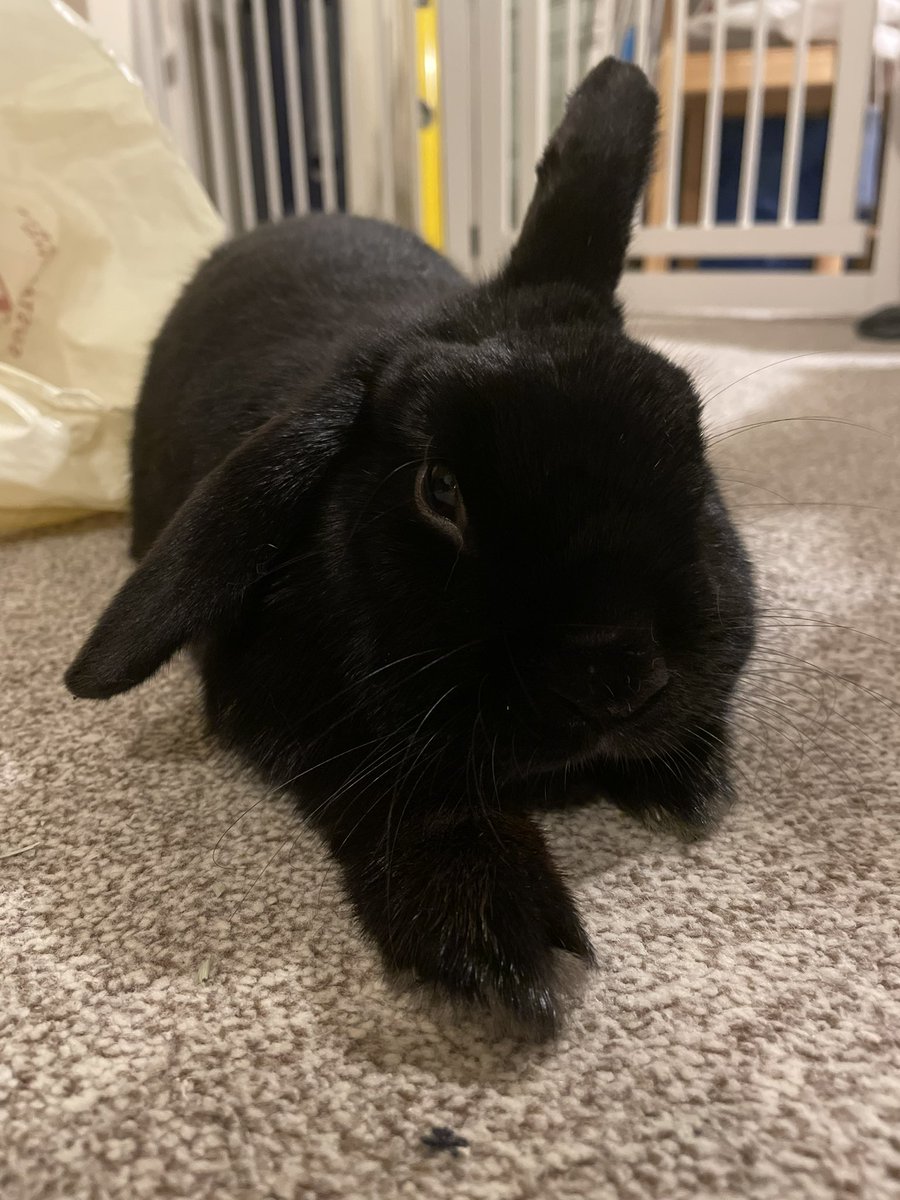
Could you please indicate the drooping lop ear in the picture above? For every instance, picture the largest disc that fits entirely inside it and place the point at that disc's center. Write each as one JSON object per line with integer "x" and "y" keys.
{"x": 217, "y": 544}
{"x": 594, "y": 168}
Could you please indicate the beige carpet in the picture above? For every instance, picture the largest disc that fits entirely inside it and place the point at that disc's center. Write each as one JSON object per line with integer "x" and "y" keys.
{"x": 740, "y": 1037}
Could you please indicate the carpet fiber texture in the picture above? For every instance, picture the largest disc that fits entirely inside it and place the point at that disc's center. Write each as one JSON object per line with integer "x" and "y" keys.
{"x": 186, "y": 1009}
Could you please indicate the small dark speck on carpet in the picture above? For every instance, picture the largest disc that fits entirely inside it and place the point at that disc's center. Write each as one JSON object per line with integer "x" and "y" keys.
{"x": 444, "y": 1138}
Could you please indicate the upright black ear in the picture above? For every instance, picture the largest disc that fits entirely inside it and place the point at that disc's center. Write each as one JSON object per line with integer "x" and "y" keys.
{"x": 593, "y": 171}
{"x": 215, "y": 546}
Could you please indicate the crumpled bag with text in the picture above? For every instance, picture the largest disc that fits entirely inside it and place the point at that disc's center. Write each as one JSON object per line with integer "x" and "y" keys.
{"x": 101, "y": 224}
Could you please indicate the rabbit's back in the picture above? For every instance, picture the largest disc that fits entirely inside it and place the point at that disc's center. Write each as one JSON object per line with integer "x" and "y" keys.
{"x": 257, "y": 328}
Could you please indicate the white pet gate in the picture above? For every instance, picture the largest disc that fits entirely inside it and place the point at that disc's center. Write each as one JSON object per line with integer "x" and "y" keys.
{"x": 778, "y": 172}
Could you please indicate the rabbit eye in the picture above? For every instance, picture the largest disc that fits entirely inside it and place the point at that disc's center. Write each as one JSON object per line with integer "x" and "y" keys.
{"x": 439, "y": 499}
{"x": 442, "y": 490}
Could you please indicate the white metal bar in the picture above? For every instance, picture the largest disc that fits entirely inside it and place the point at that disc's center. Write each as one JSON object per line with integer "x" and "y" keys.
{"x": 642, "y": 36}
{"x": 794, "y": 122}
{"x": 321, "y": 75}
{"x": 676, "y": 110}
{"x": 602, "y": 31}
{"x": 143, "y": 61}
{"x": 712, "y": 136}
{"x": 573, "y": 30}
{"x": 159, "y": 38}
{"x": 408, "y": 27}
{"x": 267, "y": 109}
{"x": 525, "y": 116}
{"x": 215, "y": 113}
{"x": 386, "y": 133}
{"x": 184, "y": 107}
{"x": 542, "y": 78}
{"x": 506, "y": 115}
{"x": 848, "y": 106}
{"x": 533, "y": 115}
{"x": 491, "y": 129}
{"x": 729, "y": 241}
{"x": 746, "y": 293}
{"x": 459, "y": 148}
{"x": 152, "y": 53}
{"x": 238, "y": 90}
{"x": 293, "y": 87}
{"x": 753, "y": 120}
{"x": 363, "y": 128}
{"x": 886, "y": 275}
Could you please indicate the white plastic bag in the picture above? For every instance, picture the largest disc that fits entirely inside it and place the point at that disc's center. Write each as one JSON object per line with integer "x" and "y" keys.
{"x": 101, "y": 223}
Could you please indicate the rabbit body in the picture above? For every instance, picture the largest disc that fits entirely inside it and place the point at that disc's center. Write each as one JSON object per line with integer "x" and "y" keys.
{"x": 445, "y": 553}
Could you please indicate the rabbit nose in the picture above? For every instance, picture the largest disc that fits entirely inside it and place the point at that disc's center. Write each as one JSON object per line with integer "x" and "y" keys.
{"x": 624, "y": 692}
{"x": 623, "y": 670}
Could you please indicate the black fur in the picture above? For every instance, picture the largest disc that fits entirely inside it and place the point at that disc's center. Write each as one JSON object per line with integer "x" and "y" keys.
{"x": 423, "y": 697}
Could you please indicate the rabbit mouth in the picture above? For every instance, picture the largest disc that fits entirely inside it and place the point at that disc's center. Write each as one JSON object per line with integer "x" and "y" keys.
{"x": 641, "y": 733}
{"x": 586, "y": 735}
{"x": 634, "y": 711}
{"x": 644, "y": 708}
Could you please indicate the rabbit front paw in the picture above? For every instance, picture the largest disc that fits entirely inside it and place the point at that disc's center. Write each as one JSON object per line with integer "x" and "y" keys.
{"x": 476, "y": 911}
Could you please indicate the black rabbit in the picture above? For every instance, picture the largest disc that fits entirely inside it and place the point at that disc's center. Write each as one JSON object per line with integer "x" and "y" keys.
{"x": 442, "y": 551}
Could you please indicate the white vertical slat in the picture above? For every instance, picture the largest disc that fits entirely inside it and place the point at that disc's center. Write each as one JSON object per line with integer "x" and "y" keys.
{"x": 848, "y": 106}
{"x": 159, "y": 40}
{"x": 267, "y": 109}
{"x": 506, "y": 117}
{"x": 886, "y": 275}
{"x": 238, "y": 89}
{"x": 603, "y": 33}
{"x": 152, "y": 49}
{"x": 794, "y": 122}
{"x": 534, "y": 82}
{"x": 491, "y": 128}
{"x": 542, "y": 78}
{"x": 215, "y": 112}
{"x": 456, "y": 80}
{"x": 145, "y": 52}
{"x": 523, "y": 89}
{"x": 712, "y": 136}
{"x": 411, "y": 50}
{"x": 642, "y": 36}
{"x": 386, "y": 137}
{"x": 676, "y": 110}
{"x": 642, "y": 59}
{"x": 363, "y": 126}
{"x": 323, "y": 103}
{"x": 293, "y": 87}
{"x": 573, "y": 31}
{"x": 184, "y": 101}
{"x": 753, "y": 120}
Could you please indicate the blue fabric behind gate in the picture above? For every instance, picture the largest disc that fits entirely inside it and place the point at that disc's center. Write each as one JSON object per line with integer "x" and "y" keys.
{"x": 809, "y": 191}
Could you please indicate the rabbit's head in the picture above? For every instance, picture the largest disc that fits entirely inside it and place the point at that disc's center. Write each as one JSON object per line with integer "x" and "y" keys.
{"x": 536, "y": 511}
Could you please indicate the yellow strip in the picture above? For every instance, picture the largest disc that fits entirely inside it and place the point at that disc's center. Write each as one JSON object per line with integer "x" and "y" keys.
{"x": 430, "y": 201}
